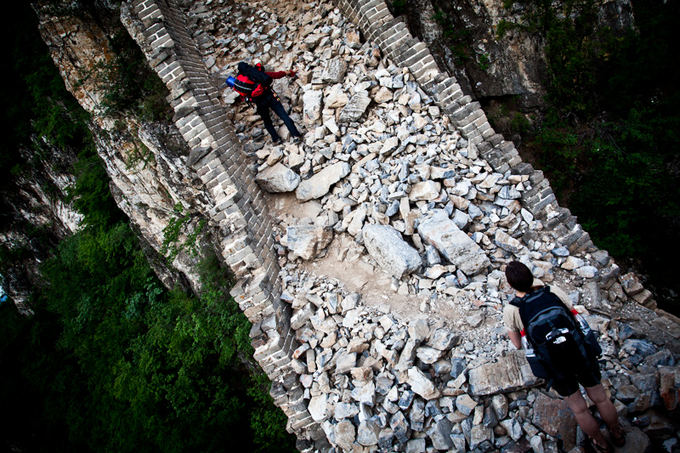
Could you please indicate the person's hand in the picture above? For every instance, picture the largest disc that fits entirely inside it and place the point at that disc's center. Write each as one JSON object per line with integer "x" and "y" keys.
{"x": 291, "y": 73}
{"x": 259, "y": 89}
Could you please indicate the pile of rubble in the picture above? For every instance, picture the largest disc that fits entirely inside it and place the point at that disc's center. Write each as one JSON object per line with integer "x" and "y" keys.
{"x": 375, "y": 381}
{"x": 382, "y": 170}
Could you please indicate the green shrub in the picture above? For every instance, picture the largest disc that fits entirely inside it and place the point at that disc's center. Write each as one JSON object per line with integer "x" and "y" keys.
{"x": 608, "y": 138}
{"x": 130, "y": 85}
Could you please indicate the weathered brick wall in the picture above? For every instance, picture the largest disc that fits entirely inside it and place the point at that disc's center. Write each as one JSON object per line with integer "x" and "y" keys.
{"x": 394, "y": 39}
{"x": 240, "y": 218}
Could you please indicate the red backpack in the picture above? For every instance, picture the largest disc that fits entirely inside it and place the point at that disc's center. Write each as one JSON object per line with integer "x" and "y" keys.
{"x": 251, "y": 82}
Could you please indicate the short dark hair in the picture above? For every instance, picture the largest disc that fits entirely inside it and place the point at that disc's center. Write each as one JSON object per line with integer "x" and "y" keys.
{"x": 519, "y": 276}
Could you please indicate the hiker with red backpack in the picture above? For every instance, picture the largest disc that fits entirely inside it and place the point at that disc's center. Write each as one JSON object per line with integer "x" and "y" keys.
{"x": 253, "y": 83}
{"x": 560, "y": 348}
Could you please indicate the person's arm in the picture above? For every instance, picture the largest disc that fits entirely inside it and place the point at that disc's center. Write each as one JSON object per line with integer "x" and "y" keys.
{"x": 280, "y": 74}
{"x": 513, "y": 324}
{"x": 515, "y": 338}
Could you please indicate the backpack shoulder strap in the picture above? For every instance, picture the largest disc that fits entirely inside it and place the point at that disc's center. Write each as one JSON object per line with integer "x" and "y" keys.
{"x": 517, "y": 301}
{"x": 536, "y": 302}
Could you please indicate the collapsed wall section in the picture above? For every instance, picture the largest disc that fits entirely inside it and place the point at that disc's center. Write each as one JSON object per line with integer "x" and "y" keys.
{"x": 160, "y": 28}
{"x": 378, "y": 25}
{"x": 239, "y": 216}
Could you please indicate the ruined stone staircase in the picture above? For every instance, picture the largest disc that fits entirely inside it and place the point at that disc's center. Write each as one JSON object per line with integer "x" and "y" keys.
{"x": 349, "y": 369}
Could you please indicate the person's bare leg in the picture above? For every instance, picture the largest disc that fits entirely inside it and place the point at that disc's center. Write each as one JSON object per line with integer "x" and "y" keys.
{"x": 606, "y": 409}
{"x": 584, "y": 418}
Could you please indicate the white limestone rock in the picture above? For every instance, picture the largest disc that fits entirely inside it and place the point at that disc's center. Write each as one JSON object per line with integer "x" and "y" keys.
{"x": 336, "y": 97}
{"x": 392, "y": 253}
{"x": 345, "y": 434}
{"x": 572, "y": 263}
{"x": 441, "y": 232}
{"x": 509, "y": 373}
{"x": 443, "y": 339}
{"x": 278, "y": 179}
{"x": 354, "y": 221}
{"x": 334, "y": 71}
{"x": 425, "y": 190}
{"x": 307, "y": 241}
{"x": 416, "y": 446}
{"x": 428, "y": 355}
{"x": 389, "y": 145}
{"x": 318, "y": 407}
{"x": 345, "y": 410}
{"x": 421, "y": 385}
{"x": 368, "y": 432}
{"x": 345, "y": 362}
{"x": 507, "y": 242}
{"x": 318, "y": 185}
{"x": 312, "y": 103}
{"x": 490, "y": 180}
{"x": 461, "y": 219}
{"x": 355, "y": 108}
{"x": 465, "y": 404}
{"x": 364, "y": 392}
{"x": 383, "y": 95}
{"x": 587, "y": 271}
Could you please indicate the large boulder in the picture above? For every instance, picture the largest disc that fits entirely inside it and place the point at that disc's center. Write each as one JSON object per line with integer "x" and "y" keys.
{"x": 318, "y": 185}
{"x": 441, "y": 232}
{"x": 509, "y": 373}
{"x": 392, "y": 253}
{"x": 355, "y": 108}
{"x": 278, "y": 179}
{"x": 307, "y": 241}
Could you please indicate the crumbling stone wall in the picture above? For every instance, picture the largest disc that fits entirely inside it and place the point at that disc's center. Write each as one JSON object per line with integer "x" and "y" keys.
{"x": 243, "y": 225}
{"x": 394, "y": 39}
{"x": 400, "y": 46}
{"x": 239, "y": 214}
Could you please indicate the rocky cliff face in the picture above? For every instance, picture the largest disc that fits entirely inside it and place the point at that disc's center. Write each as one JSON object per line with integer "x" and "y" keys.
{"x": 36, "y": 216}
{"x": 465, "y": 38}
{"x": 145, "y": 160}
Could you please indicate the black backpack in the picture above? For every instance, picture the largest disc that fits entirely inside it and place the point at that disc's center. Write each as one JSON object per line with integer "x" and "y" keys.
{"x": 258, "y": 77}
{"x": 560, "y": 348}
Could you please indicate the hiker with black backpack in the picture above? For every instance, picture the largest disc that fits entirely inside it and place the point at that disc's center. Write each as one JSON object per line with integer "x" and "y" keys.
{"x": 560, "y": 348}
{"x": 253, "y": 83}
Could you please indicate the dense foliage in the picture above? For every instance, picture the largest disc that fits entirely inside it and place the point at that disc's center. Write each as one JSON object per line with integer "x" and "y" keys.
{"x": 609, "y": 138}
{"x": 112, "y": 361}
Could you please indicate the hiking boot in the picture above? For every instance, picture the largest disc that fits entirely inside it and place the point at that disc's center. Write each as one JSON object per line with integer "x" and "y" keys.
{"x": 277, "y": 141}
{"x": 597, "y": 448}
{"x": 618, "y": 436}
{"x": 297, "y": 139}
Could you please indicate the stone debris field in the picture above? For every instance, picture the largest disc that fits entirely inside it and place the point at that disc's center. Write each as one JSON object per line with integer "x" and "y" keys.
{"x": 392, "y": 235}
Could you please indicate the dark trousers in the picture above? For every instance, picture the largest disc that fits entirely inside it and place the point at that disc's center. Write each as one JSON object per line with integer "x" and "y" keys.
{"x": 268, "y": 101}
